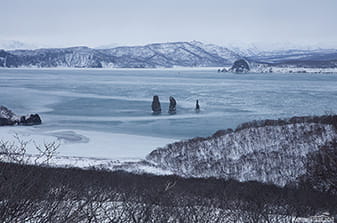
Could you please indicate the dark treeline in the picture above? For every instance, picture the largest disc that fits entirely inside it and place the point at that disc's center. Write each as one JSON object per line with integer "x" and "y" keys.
{"x": 324, "y": 119}
{"x": 322, "y": 169}
{"x": 46, "y": 194}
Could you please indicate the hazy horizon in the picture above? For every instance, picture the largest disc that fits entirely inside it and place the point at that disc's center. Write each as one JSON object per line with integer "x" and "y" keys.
{"x": 18, "y": 45}
{"x": 245, "y": 23}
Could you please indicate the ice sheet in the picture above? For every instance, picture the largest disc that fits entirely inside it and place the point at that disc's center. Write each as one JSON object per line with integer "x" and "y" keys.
{"x": 107, "y": 113}
{"x": 86, "y": 143}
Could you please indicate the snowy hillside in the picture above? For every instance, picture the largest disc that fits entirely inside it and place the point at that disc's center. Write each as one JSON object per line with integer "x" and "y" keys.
{"x": 173, "y": 54}
{"x": 265, "y": 151}
{"x": 67, "y": 57}
{"x": 181, "y": 54}
{"x": 313, "y": 58}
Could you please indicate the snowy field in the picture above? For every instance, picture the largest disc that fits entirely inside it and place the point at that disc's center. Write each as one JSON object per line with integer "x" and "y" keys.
{"x": 107, "y": 113}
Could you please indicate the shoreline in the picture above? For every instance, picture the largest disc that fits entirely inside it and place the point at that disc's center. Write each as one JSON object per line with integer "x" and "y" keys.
{"x": 111, "y": 68}
{"x": 276, "y": 70}
{"x": 86, "y": 144}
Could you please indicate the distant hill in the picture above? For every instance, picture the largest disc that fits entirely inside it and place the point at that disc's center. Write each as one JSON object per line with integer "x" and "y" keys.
{"x": 164, "y": 55}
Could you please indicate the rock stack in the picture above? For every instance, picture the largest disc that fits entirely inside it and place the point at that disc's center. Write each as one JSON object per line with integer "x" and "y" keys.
{"x": 156, "y": 109}
{"x": 33, "y": 119}
{"x": 172, "y": 107}
{"x": 197, "y": 106}
{"x": 240, "y": 66}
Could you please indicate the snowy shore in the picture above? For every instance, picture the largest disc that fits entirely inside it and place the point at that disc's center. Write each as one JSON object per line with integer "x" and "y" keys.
{"x": 82, "y": 145}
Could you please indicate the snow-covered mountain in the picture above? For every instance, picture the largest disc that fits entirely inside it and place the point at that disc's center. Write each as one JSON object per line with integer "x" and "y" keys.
{"x": 313, "y": 58}
{"x": 63, "y": 57}
{"x": 173, "y": 54}
{"x": 184, "y": 54}
{"x": 272, "y": 151}
{"x": 180, "y": 54}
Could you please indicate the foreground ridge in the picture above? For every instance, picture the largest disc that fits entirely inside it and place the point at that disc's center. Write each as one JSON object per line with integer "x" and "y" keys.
{"x": 272, "y": 151}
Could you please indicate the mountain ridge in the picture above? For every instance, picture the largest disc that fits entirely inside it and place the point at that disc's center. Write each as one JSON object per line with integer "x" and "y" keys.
{"x": 165, "y": 55}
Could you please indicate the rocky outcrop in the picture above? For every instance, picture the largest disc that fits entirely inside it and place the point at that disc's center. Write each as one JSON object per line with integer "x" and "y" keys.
{"x": 5, "y": 121}
{"x": 223, "y": 70}
{"x": 7, "y": 117}
{"x": 156, "y": 108}
{"x": 172, "y": 106}
{"x": 240, "y": 66}
{"x": 197, "y": 106}
{"x": 33, "y": 119}
{"x": 272, "y": 151}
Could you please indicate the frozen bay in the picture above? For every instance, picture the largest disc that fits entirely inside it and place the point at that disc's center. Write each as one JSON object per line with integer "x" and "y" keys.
{"x": 107, "y": 113}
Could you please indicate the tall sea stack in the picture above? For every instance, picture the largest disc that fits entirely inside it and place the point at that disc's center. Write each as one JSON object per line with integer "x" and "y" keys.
{"x": 172, "y": 107}
{"x": 156, "y": 109}
{"x": 197, "y": 106}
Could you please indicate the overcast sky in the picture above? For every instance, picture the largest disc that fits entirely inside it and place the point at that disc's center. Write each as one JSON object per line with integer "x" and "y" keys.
{"x": 62, "y": 23}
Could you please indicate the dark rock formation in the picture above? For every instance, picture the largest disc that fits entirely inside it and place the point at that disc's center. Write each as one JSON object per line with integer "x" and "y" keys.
{"x": 240, "y": 66}
{"x": 173, "y": 104}
{"x": 5, "y": 121}
{"x": 7, "y": 117}
{"x": 33, "y": 119}
{"x": 156, "y": 105}
{"x": 223, "y": 70}
{"x": 197, "y": 106}
{"x": 6, "y": 113}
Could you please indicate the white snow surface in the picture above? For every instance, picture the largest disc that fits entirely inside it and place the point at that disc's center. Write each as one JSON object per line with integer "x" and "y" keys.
{"x": 89, "y": 149}
{"x": 86, "y": 143}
